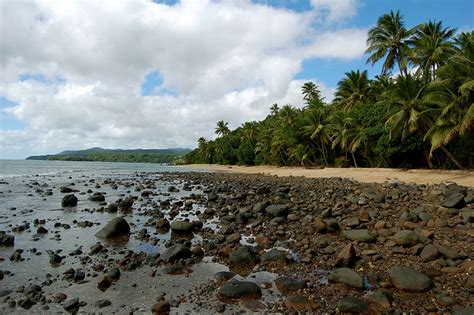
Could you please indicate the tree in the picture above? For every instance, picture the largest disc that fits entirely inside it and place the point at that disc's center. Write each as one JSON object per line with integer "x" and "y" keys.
{"x": 274, "y": 109}
{"x": 315, "y": 127}
{"x": 222, "y": 128}
{"x": 432, "y": 47}
{"x": 389, "y": 39}
{"x": 353, "y": 89}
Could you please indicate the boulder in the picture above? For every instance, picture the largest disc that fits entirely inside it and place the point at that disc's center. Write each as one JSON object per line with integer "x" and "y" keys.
{"x": 279, "y": 210}
{"x": 361, "y": 235}
{"x": 6, "y": 239}
{"x": 408, "y": 279}
{"x": 239, "y": 290}
{"x": 117, "y": 227}
{"x": 347, "y": 276}
{"x": 126, "y": 204}
{"x": 406, "y": 238}
{"x": 244, "y": 255}
{"x": 182, "y": 226}
{"x": 286, "y": 285}
{"x": 97, "y": 197}
{"x": 273, "y": 256}
{"x": 69, "y": 201}
{"x": 455, "y": 200}
{"x": 351, "y": 304}
{"x": 176, "y": 252}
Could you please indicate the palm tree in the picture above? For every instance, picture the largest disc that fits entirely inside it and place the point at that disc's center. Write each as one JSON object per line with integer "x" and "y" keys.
{"x": 222, "y": 128}
{"x": 389, "y": 39}
{"x": 432, "y": 47}
{"x": 310, "y": 92}
{"x": 353, "y": 89}
{"x": 274, "y": 109}
{"x": 315, "y": 127}
{"x": 249, "y": 131}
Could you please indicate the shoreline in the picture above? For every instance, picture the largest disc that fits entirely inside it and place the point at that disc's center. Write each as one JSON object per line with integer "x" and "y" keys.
{"x": 365, "y": 175}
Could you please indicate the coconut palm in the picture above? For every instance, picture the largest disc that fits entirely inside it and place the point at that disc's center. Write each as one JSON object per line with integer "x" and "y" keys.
{"x": 315, "y": 127}
{"x": 222, "y": 128}
{"x": 249, "y": 131}
{"x": 433, "y": 44}
{"x": 274, "y": 109}
{"x": 389, "y": 39}
{"x": 353, "y": 89}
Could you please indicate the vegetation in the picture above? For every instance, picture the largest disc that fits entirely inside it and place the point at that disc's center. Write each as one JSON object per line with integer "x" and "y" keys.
{"x": 421, "y": 116}
{"x": 106, "y": 155}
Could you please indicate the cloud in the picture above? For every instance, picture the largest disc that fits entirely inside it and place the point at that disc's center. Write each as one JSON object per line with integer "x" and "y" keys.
{"x": 335, "y": 10}
{"x": 222, "y": 59}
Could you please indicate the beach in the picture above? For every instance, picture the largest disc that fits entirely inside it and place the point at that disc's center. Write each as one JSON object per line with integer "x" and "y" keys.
{"x": 365, "y": 175}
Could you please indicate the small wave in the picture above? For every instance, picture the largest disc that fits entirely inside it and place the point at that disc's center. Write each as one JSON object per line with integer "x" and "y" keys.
{"x": 3, "y": 176}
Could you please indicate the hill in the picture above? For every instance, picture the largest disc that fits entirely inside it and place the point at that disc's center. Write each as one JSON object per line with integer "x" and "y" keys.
{"x": 116, "y": 155}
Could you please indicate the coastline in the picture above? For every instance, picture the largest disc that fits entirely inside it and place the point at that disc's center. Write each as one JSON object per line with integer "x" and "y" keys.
{"x": 365, "y": 175}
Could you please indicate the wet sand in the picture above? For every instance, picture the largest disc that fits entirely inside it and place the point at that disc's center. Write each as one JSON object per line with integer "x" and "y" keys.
{"x": 365, "y": 175}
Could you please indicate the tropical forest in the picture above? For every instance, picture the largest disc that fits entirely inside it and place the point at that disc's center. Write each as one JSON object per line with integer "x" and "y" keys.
{"x": 417, "y": 113}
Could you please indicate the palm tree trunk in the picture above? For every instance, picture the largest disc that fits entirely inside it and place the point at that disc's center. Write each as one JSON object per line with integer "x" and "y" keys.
{"x": 353, "y": 158}
{"x": 451, "y": 157}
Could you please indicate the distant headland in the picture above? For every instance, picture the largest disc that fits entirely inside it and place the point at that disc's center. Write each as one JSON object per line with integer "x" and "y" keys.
{"x": 170, "y": 155}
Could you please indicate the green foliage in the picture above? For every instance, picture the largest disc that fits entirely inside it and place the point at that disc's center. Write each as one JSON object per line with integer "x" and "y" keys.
{"x": 424, "y": 117}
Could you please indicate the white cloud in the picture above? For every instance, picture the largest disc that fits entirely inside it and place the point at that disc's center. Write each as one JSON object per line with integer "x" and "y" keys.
{"x": 335, "y": 10}
{"x": 227, "y": 59}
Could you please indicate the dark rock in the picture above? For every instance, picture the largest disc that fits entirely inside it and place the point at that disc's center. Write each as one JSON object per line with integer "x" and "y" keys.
{"x": 223, "y": 276}
{"x": 114, "y": 274}
{"x": 279, "y": 210}
{"x": 362, "y": 235}
{"x": 65, "y": 189}
{"x": 239, "y": 290}
{"x": 430, "y": 252}
{"x": 469, "y": 310}
{"x": 212, "y": 196}
{"x": 286, "y": 285}
{"x": 273, "y": 256}
{"x": 117, "y": 227}
{"x": 379, "y": 297}
{"x": 26, "y": 304}
{"x": 161, "y": 307}
{"x": 244, "y": 255}
{"x": 346, "y": 257}
{"x": 351, "y": 304}
{"x": 162, "y": 224}
{"x": 112, "y": 208}
{"x": 176, "y": 252}
{"x": 176, "y": 269}
{"x": 41, "y": 230}
{"x": 298, "y": 302}
{"x": 182, "y": 226}
{"x": 6, "y": 239}
{"x": 408, "y": 279}
{"x": 455, "y": 200}
{"x": 448, "y": 252}
{"x": 346, "y": 276}
{"x": 69, "y": 201}
{"x": 126, "y": 204}
{"x": 71, "y": 305}
{"x": 102, "y": 303}
{"x": 406, "y": 238}
{"x": 104, "y": 283}
{"x": 97, "y": 197}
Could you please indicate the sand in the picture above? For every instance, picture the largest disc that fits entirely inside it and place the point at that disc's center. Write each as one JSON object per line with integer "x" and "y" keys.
{"x": 367, "y": 175}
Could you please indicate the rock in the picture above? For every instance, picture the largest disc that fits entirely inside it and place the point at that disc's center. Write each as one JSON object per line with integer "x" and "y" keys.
{"x": 126, "y": 204}
{"x": 176, "y": 252}
{"x": 279, "y": 210}
{"x": 117, "y": 227}
{"x": 379, "y": 297}
{"x": 244, "y": 255}
{"x": 408, "y": 279}
{"x": 239, "y": 290}
{"x": 69, "y": 201}
{"x": 102, "y": 303}
{"x": 161, "y": 307}
{"x": 176, "y": 269}
{"x": 346, "y": 257}
{"x": 112, "y": 207}
{"x": 286, "y": 285}
{"x": 71, "y": 305}
{"x": 362, "y": 235}
{"x": 41, "y": 230}
{"x": 448, "y": 252}
{"x": 104, "y": 283}
{"x": 223, "y": 276}
{"x": 26, "y": 304}
{"x": 114, "y": 274}
{"x": 298, "y": 302}
{"x": 5, "y": 292}
{"x": 406, "y": 238}
{"x": 212, "y": 196}
{"x": 65, "y": 189}
{"x": 2, "y": 275}
{"x": 273, "y": 256}
{"x": 469, "y": 310}
{"x": 455, "y": 200}
{"x": 97, "y": 197}
{"x": 430, "y": 252}
{"x": 182, "y": 226}
{"x": 351, "y": 304}
{"x": 162, "y": 224}
{"x": 346, "y": 276}
{"x": 6, "y": 239}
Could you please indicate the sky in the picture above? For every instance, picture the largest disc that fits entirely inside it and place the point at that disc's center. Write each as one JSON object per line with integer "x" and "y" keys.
{"x": 160, "y": 74}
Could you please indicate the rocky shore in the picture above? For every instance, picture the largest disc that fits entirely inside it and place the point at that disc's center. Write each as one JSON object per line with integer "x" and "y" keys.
{"x": 221, "y": 242}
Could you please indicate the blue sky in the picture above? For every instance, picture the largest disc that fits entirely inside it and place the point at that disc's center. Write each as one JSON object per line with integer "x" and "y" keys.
{"x": 157, "y": 74}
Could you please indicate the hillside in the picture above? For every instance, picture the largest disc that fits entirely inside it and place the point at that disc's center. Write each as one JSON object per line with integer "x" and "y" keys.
{"x": 116, "y": 155}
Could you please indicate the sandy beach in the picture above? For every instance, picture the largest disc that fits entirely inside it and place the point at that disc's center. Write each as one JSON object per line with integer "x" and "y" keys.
{"x": 365, "y": 175}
